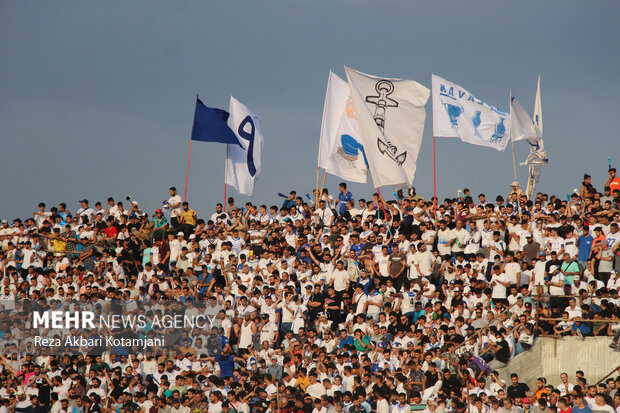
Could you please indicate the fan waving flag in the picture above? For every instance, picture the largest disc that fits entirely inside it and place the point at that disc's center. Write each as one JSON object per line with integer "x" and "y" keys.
{"x": 340, "y": 150}
{"x": 390, "y": 118}
{"x": 459, "y": 114}
{"x": 243, "y": 164}
{"x": 210, "y": 125}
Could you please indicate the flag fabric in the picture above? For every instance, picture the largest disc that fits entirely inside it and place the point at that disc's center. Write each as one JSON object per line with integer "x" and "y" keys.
{"x": 538, "y": 155}
{"x": 537, "y": 116}
{"x": 459, "y": 114}
{"x": 210, "y": 125}
{"x": 340, "y": 150}
{"x": 243, "y": 163}
{"x": 390, "y": 118}
{"x": 521, "y": 126}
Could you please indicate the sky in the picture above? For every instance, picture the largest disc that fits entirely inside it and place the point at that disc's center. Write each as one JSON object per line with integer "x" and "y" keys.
{"x": 97, "y": 98}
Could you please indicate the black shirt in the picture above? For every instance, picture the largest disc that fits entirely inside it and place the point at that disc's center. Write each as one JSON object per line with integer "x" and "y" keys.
{"x": 503, "y": 354}
{"x": 517, "y": 391}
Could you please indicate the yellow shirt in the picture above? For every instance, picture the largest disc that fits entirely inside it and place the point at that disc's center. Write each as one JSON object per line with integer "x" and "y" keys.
{"x": 59, "y": 245}
{"x": 303, "y": 383}
{"x": 189, "y": 217}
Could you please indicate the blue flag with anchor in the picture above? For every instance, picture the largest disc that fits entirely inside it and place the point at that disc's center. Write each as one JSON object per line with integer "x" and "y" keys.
{"x": 210, "y": 125}
{"x": 459, "y": 114}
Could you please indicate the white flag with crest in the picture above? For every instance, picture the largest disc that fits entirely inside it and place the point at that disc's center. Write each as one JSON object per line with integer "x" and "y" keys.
{"x": 459, "y": 114}
{"x": 390, "y": 118}
{"x": 340, "y": 150}
{"x": 243, "y": 164}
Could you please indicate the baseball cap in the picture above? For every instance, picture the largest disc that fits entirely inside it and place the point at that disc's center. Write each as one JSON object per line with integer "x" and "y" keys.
{"x": 179, "y": 234}
{"x": 158, "y": 210}
{"x": 553, "y": 268}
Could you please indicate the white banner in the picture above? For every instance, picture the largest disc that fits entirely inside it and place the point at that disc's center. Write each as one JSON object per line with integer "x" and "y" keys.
{"x": 243, "y": 164}
{"x": 459, "y": 114}
{"x": 521, "y": 126}
{"x": 390, "y": 118}
{"x": 340, "y": 150}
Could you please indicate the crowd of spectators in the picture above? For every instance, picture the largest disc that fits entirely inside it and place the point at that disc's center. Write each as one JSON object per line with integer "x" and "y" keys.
{"x": 352, "y": 304}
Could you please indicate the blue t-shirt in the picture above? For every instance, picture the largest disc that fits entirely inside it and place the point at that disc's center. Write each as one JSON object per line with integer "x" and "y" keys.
{"x": 585, "y": 409}
{"x": 227, "y": 365}
{"x": 585, "y": 245}
{"x": 343, "y": 198}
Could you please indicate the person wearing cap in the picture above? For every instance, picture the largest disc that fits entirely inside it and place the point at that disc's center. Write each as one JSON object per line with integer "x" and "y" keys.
{"x": 160, "y": 225}
{"x": 514, "y": 189}
{"x": 85, "y": 210}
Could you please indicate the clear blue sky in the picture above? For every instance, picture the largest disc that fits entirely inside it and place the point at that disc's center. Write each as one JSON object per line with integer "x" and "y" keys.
{"x": 97, "y": 98}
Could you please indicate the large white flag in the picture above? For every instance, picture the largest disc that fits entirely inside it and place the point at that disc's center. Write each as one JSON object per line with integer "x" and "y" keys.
{"x": 390, "y": 118}
{"x": 340, "y": 150}
{"x": 459, "y": 114}
{"x": 521, "y": 126}
{"x": 243, "y": 164}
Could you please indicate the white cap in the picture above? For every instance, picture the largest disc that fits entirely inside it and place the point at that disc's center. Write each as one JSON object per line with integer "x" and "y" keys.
{"x": 553, "y": 268}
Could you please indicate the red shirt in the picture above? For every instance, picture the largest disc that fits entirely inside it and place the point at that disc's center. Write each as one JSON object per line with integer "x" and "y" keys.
{"x": 111, "y": 231}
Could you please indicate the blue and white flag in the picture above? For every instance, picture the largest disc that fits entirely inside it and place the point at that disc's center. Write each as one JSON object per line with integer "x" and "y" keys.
{"x": 340, "y": 150}
{"x": 459, "y": 114}
{"x": 243, "y": 164}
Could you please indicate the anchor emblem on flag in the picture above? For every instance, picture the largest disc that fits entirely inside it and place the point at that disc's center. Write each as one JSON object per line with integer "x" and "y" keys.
{"x": 382, "y": 101}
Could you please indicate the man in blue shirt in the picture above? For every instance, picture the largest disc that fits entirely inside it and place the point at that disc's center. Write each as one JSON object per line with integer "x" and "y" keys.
{"x": 343, "y": 197}
{"x": 584, "y": 243}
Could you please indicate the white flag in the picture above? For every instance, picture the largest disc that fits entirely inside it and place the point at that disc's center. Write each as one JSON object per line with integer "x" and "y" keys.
{"x": 537, "y": 117}
{"x": 521, "y": 126}
{"x": 243, "y": 164}
{"x": 538, "y": 155}
{"x": 390, "y": 118}
{"x": 459, "y": 114}
{"x": 340, "y": 150}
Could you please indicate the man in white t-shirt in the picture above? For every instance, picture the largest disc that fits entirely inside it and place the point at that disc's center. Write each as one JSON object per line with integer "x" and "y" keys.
{"x": 512, "y": 269}
{"x": 85, "y": 211}
{"x": 499, "y": 284}
{"x": 174, "y": 203}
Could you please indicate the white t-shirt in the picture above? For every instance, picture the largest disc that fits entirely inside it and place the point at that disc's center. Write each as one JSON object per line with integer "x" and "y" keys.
{"x": 512, "y": 269}
{"x": 499, "y": 291}
{"x": 175, "y": 212}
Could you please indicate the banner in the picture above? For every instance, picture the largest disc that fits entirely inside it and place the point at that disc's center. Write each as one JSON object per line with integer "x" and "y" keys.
{"x": 340, "y": 150}
{"x": 210, "y": 125}
{"x": 390, "y": 118}
{"x": 459, "y": 114}
{"x": 243, "y": 164}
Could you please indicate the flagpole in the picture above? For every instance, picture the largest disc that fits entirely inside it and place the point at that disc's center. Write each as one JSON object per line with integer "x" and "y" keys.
{"x": 225, "y": 173}
{"x": 322, "y": 186}
{"x": 189, "y": 156}
{"x": 434, "y": 182}
{"x": 316, "y": 195}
